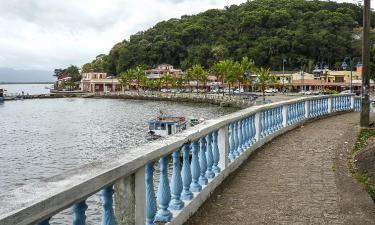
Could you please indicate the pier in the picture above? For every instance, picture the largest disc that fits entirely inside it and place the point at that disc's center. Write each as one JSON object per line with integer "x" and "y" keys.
{"x": 143, "y": 195}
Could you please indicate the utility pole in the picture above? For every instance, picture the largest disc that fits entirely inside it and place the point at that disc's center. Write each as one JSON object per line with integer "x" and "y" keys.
{"x": 365, "y": 99}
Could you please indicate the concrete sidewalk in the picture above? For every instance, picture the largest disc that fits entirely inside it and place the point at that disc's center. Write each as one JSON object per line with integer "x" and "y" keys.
{"x": 299, "y": 178}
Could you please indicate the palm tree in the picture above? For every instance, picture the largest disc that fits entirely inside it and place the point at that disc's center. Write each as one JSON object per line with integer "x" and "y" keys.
{"x": 224, "y": 70}
{"x": 264, "y": 78}
{"x": 140, "y": 76}
{"x": 125, "y": 78}
{"x": 167, "y": 79}
{"x": 246, "y": 67}
{"x": 198, "y": 73}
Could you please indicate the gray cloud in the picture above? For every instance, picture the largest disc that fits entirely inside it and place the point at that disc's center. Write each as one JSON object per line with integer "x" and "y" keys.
{"x": 46, "y": 34}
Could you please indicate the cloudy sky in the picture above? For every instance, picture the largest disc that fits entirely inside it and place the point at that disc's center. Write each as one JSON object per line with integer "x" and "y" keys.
{"x": 48, "y": 34}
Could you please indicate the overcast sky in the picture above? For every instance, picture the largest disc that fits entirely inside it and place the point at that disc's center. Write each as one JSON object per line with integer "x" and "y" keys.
{"x": 48, "y": 34}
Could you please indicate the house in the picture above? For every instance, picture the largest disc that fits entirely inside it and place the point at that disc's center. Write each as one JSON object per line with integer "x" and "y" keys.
{"x": 163, "y": 69}
{"x": 283, "y": 77}
{"x": 99, "y": 82}
{"x": 61, "y": 79}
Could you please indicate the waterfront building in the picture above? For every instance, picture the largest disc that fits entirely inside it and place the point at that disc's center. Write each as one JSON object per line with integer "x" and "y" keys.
{"x": 324, "y": 79}
{"x": 163, "y": 69}
{"x": 99, "y": 82}
{"x": 63, "y": 77}
{"x": 283, "y": 77}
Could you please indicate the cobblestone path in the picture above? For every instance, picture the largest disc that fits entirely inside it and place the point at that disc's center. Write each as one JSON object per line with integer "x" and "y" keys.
{"x": 298, "y": 178}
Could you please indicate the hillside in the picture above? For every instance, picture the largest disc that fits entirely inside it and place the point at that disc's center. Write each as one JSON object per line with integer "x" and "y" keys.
{"x": 302, "y": 32}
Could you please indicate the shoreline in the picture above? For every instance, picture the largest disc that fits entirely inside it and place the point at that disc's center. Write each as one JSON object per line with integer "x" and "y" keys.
{"x": 219, "y": 100}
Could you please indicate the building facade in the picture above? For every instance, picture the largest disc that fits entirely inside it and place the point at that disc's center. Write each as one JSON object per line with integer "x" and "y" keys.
{"x": 99, "y": 82}
{"x": 162, "y": 70}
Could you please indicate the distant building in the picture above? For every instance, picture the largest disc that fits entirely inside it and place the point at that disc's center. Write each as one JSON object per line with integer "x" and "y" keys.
{"x": 61, "y": 78}
{"x": 99, "y": 82}
{"x": 283, "y": 77}
{"x": 161, "y": 70}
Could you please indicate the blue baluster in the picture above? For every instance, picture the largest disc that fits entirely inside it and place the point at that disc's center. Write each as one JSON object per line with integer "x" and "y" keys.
{"x": 216, "y": 153}
{"x": 272, "y": 119}
{"x": 176, "y": 183}
{"x": 315, "y": 107}
{"x": 150, "y": 194}
{"x": 278, "y": 121}
{"x": 108, "y": 216}
{"x": 239, "y": 133}
{"x": 231, "y": 143}
{"x": 79, "y": 217}
{"x": 289, "y": 115}
{"x": 318, "y": 107}
{"x": 186, "y": 174}
{"x": 195, "y": 168}
{"x": 304, "y": 110}
{"x": 263, "y": 124}
{"x": 245, "y": 139}
{"x": 250, "y": 121}
{"x": 44, "y": 222}
{"x": 164, "y": 193}
{"x": 253, "y": 129}
{"x": 248, "y": 131}
{"x": 335, "y": 103}
{"x": 269, "y": 122}
{"x": 236, "y": 141}
{"x": 281, "y": 117}
{"x": 266, "y": 123}
{"x": 210, "y": 158}
{"x": 203, "y": 162}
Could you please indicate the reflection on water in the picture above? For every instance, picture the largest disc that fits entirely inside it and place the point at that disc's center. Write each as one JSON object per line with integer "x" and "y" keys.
{"x": 43, "y": 137}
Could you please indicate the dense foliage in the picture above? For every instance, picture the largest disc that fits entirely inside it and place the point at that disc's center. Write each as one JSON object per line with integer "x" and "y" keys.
{"x": 72, "y": 71}
{"x": 267, "y": 31}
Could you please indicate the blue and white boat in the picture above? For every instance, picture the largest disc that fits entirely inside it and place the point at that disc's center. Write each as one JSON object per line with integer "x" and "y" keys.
{"x": 164, "y": 126}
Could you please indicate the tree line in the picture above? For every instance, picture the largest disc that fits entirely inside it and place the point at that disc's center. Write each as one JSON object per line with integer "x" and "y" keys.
{"x": 230, "y": 72}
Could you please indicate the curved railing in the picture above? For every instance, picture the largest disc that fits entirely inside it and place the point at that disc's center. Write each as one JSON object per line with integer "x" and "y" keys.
{"x": 201, "y": 157}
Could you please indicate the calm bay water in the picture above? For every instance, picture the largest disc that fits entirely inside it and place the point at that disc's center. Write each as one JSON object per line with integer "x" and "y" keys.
{"x": 32, "y": 89}
{"x": 43, "y": 137}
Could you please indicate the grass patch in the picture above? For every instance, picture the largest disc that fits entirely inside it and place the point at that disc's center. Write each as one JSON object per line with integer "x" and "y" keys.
{"x": 361, "y": 143}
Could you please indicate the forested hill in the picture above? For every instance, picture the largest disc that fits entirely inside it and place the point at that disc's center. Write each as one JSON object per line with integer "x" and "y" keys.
{"x": 303, "y": 32}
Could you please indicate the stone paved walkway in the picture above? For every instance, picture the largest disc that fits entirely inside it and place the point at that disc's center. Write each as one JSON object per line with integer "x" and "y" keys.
{"x": 298, "y": 178}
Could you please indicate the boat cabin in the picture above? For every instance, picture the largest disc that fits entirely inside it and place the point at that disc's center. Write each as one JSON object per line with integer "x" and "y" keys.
{"x": 164, "y": 126}
{"x": 1, "y": 95}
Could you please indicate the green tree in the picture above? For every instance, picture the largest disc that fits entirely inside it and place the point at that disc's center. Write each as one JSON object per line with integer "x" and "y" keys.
{"x": 264, "y": 79}
{"x": 73, "y": 72}
{"x": 198, "y": 73}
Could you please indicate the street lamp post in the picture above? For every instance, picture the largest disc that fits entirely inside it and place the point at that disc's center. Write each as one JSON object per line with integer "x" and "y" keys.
{"x": 284, "y": 61}
{"x": 365, "y": 98}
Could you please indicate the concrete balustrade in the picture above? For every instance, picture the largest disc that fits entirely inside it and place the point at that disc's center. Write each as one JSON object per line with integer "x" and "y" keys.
{"x": 216, "y": 147}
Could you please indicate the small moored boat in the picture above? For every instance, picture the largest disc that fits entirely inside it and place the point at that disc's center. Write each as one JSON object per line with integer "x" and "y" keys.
{"x": 194, "y": 121}
{"x": 164, "y": 126}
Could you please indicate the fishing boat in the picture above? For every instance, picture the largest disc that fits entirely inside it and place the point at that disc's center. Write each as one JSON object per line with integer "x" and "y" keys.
{"x": 163, "y": 126}
{"x": 1, "y": 95}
